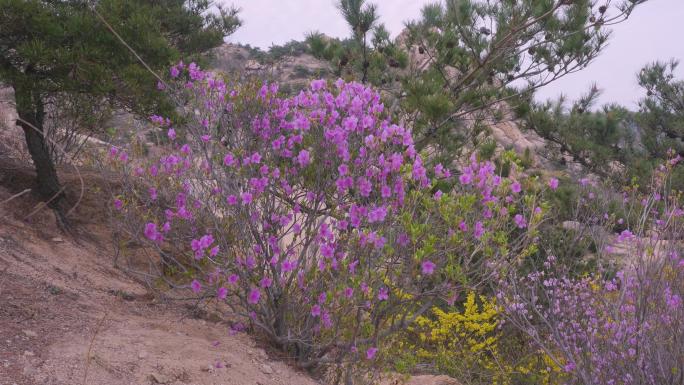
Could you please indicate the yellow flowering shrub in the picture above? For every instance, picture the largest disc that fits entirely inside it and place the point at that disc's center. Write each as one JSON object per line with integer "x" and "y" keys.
{"x": 467, "y": 345}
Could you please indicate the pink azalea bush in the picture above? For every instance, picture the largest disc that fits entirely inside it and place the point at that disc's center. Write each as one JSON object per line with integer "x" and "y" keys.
{"x": 313, "y": 216}
{"x": 623, "y": 325}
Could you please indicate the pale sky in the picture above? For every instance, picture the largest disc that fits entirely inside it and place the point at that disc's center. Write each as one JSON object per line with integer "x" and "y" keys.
{"x": 654, "y": 31}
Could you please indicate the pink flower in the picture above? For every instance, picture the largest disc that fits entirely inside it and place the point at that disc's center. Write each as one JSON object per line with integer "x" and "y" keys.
{"x": 231, "y": 200}
{"x": 315, "y": 310}
{"x": 266, "y": 282}
{"x": 370, "y": 353}
{"x": 377, "y": 214}
{"x": 195, "y": 286}
{"x": 255, "y": 158}
{"x": 553, "y": 183}
{"x": 343, "y": 169}
{"x": 229, "y": 160}
{"x": 221, "y": 293}
{"x": 365, "y": 187}
{"x": 303, "y": 158}
{"x": 246, "y": 198}
{"x": 288, "y": 265}
{"x": 427, "y": 267}
{"x": 386, "y": 191}
{"x": 233, "y": 279}
{"x": 466, "y": 178}
{"x": 317, "y": 85}
{"x": 439, "y": 171}
{"x": 118, "y": 204}
{"x": 515, "y": 187}
{"x": 348, "y": 292}
{"x": 625, "y": 235}
{"x": 438, "y": 195}
{"x": 520, "y": 221}
{"x": 254, "y": 296}
{"x": 151, "y": 231}
{"x": 383, "y": 294}
{"x": 479, "y": 230}
{"x": 171, "y": 134}
{"x": 403, "y": 240}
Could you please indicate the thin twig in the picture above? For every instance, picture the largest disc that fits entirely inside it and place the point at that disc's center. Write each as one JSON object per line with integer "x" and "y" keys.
{"x": 15, "y": 196}
{"x": 90, "y": 347}
{"x": 2, "y": 282}
{"x": 40, "y": 205}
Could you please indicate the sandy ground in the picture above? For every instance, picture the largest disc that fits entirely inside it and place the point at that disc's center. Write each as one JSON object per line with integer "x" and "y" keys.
{"x": 68, "y": 316}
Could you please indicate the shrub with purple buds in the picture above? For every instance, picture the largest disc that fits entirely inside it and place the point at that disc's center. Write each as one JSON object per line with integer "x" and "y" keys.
{"x": 313, "y": 216}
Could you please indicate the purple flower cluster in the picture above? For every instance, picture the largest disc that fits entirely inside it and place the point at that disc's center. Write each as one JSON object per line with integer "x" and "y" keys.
{"x": 300, "y": 208}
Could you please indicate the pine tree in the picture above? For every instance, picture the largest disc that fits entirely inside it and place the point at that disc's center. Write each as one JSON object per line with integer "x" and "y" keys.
{"x": 469, "y": 56}
{"x": 662, "y": 110}
{"x": 593, "y": 138}
{"x": 361, "y": 17}
{"x": 50, "y": 48}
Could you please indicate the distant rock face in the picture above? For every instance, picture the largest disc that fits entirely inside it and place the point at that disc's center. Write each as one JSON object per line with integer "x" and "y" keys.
{"x": 290, "y": 71}
{"x": 230, "y": 58}
{"x": 8, "y": 113}
{"x": 11, "y": 136}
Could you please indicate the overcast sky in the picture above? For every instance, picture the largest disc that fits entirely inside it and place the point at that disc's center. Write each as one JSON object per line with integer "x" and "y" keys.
{"x": 654, "y": 31}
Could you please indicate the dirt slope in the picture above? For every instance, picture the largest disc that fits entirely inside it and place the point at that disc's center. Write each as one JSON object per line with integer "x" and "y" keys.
{"x": 65, "y": 310}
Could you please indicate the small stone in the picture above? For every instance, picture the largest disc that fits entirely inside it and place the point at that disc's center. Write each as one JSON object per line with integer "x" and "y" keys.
{"x": 266, "y": 369}
{"x": 54, "y": 290}
{"x": 29, "y": 353}
{"x": 209, "y": 368}
{"x": 158, "y": 378}
{"x": 30, "y": 333}
{"x": 142, "y": 354}
{"x": 57, "y": 240}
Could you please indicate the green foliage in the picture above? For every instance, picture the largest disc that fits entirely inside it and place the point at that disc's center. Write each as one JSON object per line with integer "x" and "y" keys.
{"x": 57, "y": 47}
{"x": 474, "y": 54}
{"x": 593, "y": 139}
{"x": 662, "y": 110}
{"x": 86, "y": 51}
{"x": 611, "y": 141}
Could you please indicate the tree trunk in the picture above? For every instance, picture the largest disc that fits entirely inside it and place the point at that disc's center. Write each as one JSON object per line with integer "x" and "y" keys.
{"x": 31, "y": 115}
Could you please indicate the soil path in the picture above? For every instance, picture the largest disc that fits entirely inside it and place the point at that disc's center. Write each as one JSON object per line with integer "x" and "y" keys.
{"x": 68, "y": 317}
